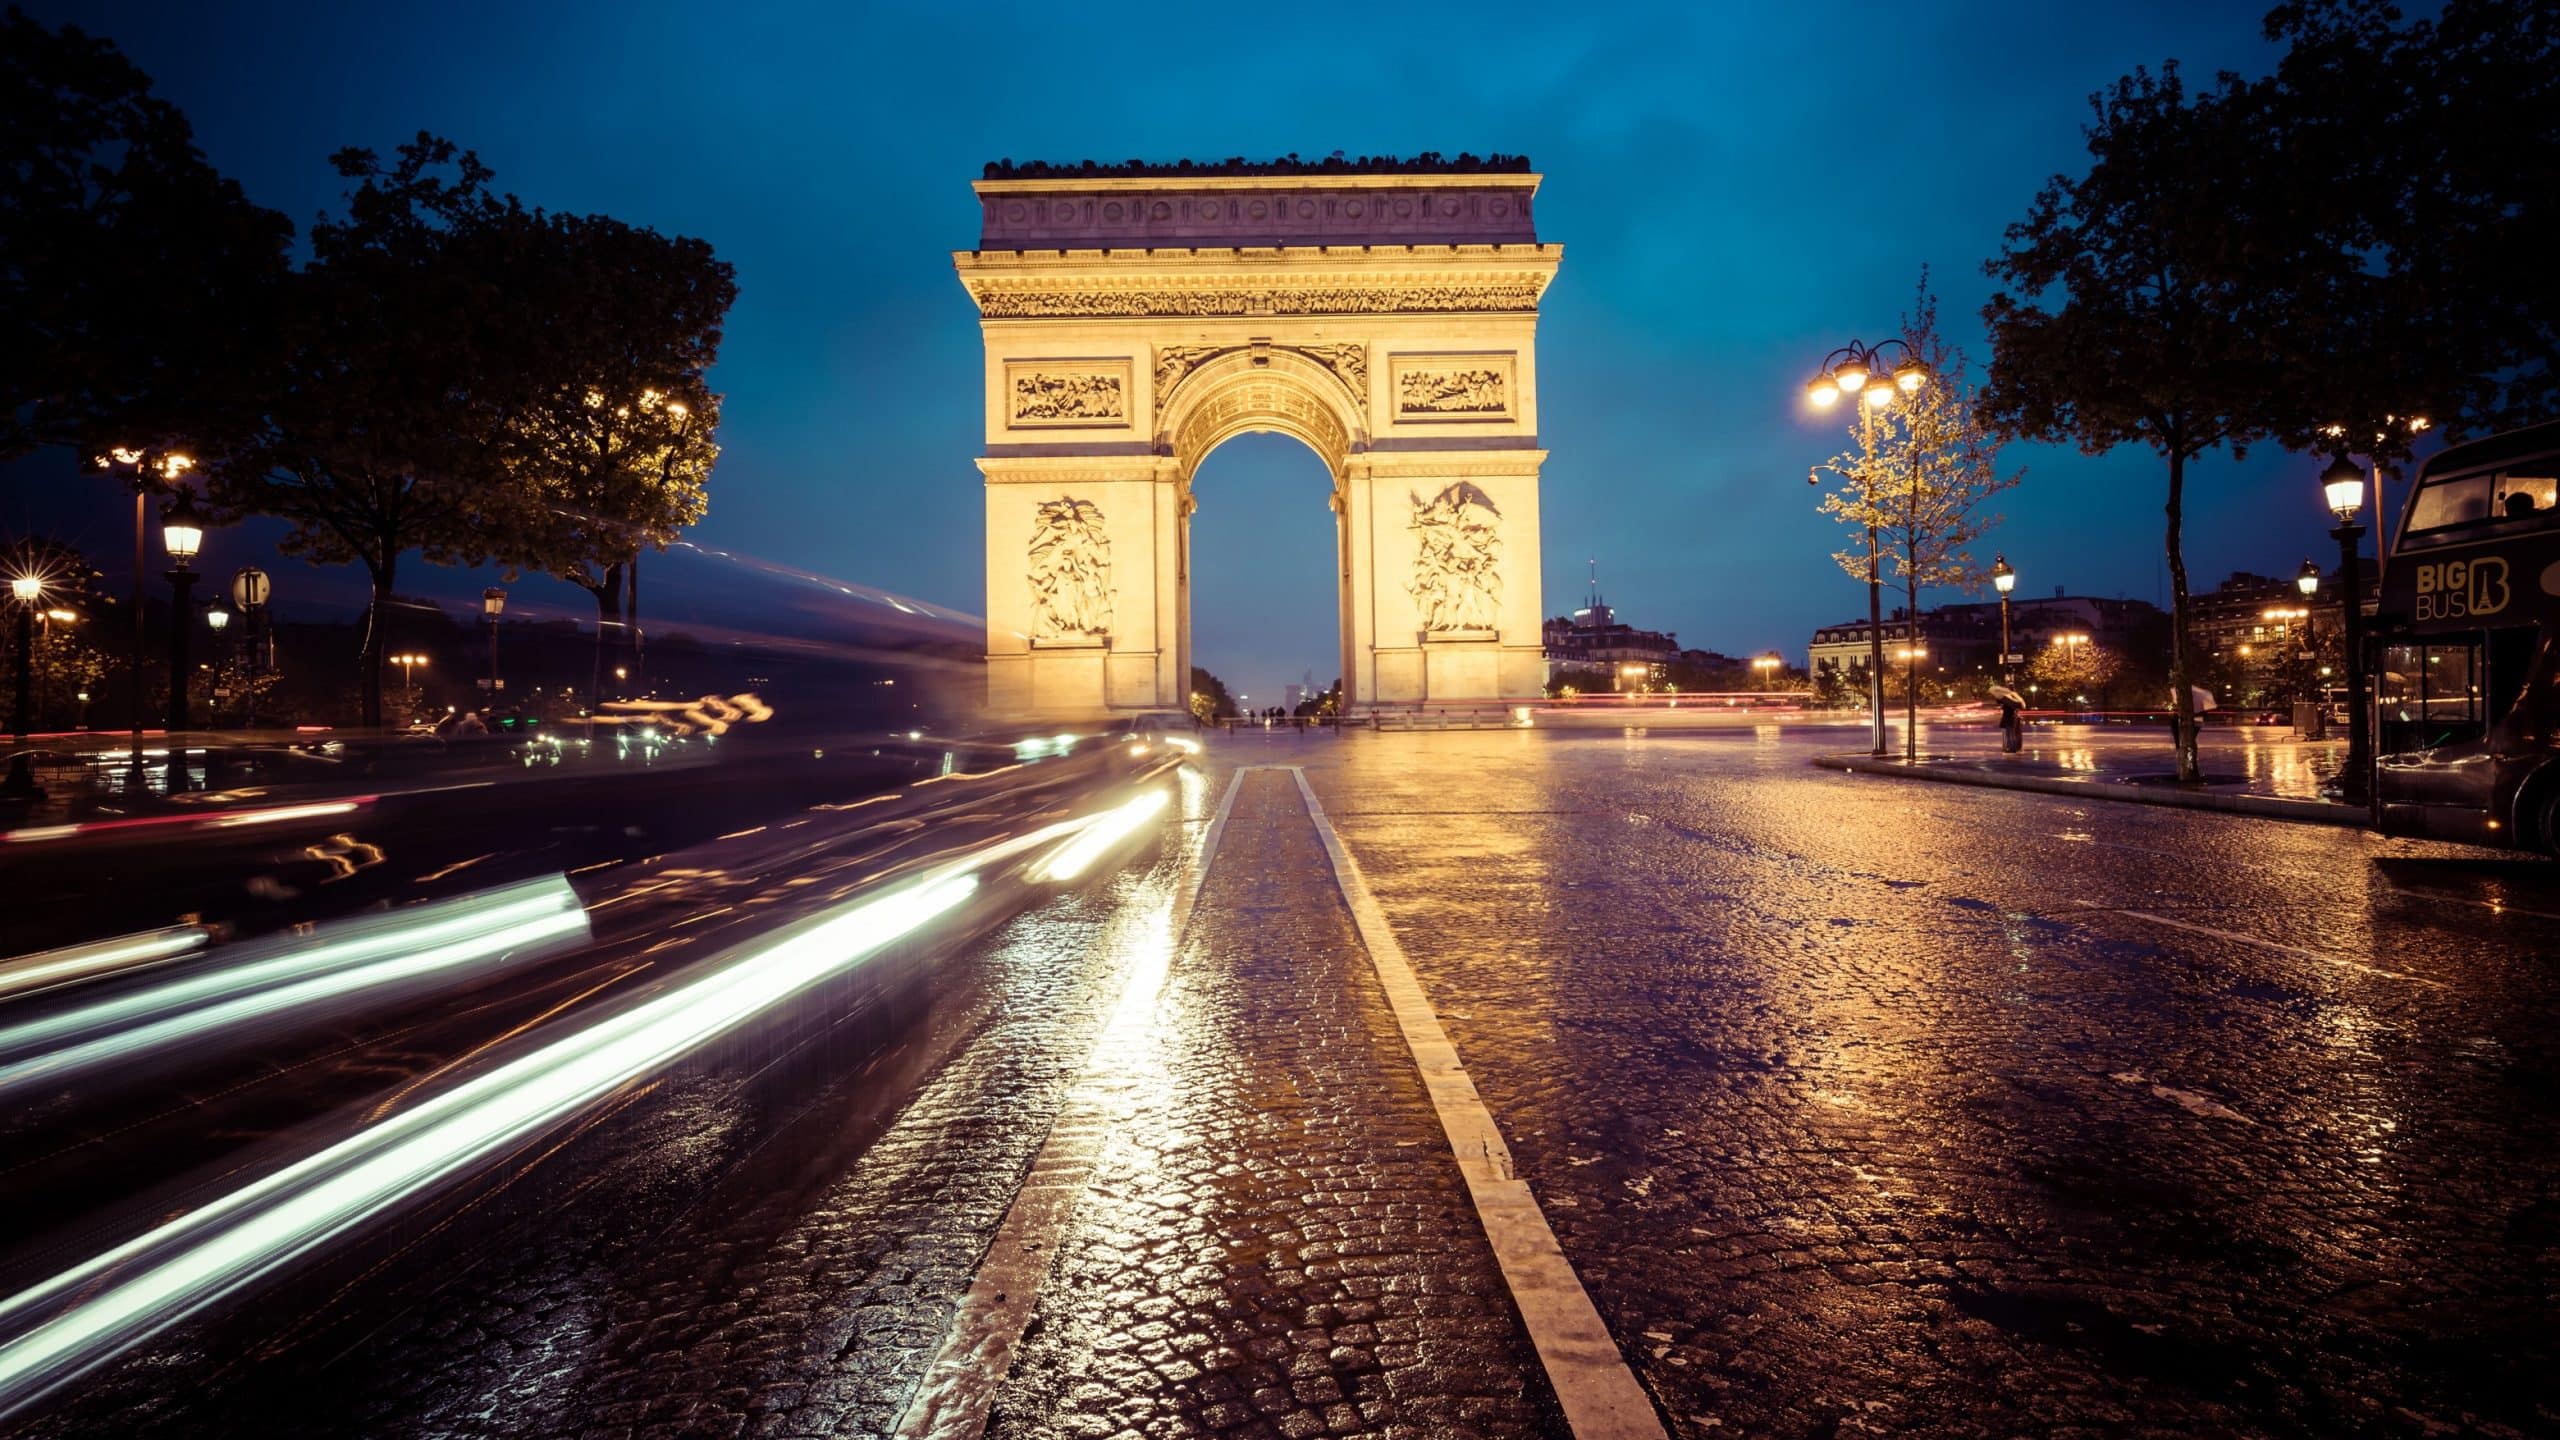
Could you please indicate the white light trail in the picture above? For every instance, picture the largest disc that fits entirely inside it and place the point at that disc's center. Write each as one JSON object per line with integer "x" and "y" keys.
{"x": 86, "y": 1315}
{"x": 1098, "y": 835}
{"x": 344, "y": 959}
{"x": 79, "y": 962}
{"x": 93, "y": 1310}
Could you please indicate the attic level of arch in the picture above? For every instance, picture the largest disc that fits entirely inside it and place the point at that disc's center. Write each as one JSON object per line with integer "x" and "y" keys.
{"x": 1222, "y": 211}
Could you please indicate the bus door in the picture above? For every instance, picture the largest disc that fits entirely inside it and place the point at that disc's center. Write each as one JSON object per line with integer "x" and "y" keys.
{"x": 2431, "y": 736}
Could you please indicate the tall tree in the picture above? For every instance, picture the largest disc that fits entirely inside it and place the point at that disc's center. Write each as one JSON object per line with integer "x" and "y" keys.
{"x": 135, "y": 280}
{"x": 2148, "y": 299}
{"x": 381, "y": 437}
{"x": 611, "y": 425}
{"x": 2433, "y": 148}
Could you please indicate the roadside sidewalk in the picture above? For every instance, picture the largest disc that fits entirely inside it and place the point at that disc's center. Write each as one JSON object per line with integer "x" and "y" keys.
{"x": 2247, "y": 772}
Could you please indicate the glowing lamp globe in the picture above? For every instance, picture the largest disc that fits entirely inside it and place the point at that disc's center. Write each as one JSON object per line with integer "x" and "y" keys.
{"x": 1852, "y": 376}
{"x": 182, "y": 529}
{"x": 1908, "y": 375}
{"x": 1824, "y": 392}
{"x": 2003, "y": 579}
{"x": 1877, "y": 396}
{"x": 2308, "y": 582}
{"x": 26, "y": 589}
{"x": 2343, "y": 482}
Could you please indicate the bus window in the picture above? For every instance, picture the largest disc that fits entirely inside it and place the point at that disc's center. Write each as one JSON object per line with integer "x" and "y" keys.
{"x": 2455, "y": 500}
{"x": 2429, "y": 695}
{"x": 2519, "y": 493}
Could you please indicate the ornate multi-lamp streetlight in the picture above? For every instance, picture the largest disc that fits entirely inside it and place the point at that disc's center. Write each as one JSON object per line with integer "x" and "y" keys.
{"x": 2342, "y": 484}
{"x": 1873, "y": 376}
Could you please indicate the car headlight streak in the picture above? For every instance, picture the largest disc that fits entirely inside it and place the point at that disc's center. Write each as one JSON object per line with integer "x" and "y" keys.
{"x": 344, "y": 960}
{"x": 88, "y": 1313}
{"x": 56, "y": 1330}
{"x": 1097, "y": 836}
{"x": 98, "y": 957}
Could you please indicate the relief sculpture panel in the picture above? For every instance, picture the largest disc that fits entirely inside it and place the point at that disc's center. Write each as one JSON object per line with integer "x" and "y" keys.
{"x": 1457, "y": 562}
{"x": 1070, "y": 572}
{"x": 1045, "y": 394}
{"x": 1453, "y": 387}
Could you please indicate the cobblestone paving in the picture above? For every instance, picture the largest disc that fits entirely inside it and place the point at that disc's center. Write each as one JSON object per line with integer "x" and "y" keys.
{"x": 1279, "y": 1243}
{"x": 797, "y": 1296}
{"x": 1872, "y": 1108}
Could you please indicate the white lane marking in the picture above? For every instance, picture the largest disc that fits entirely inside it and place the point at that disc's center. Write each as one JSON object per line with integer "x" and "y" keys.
{"x": 957, "y": 1393}
{"x": 1601, "y": 1398}
{"x": 2320, "y": 956}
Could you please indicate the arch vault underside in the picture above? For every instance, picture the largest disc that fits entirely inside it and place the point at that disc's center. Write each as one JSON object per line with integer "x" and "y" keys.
{"x": 1134, "y": 324}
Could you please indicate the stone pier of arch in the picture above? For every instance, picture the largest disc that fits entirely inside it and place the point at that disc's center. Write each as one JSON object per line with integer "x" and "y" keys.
{"x": 1132, "y": 324}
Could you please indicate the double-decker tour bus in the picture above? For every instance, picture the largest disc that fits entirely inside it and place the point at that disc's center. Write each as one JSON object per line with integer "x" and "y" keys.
{"x": 2466, "y": 698}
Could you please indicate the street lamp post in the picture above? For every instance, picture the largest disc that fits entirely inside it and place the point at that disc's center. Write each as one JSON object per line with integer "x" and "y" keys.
{"x": 2343, "y": 486}
{"x": 409, "y": 661}
{"x": 1766, "y": 668}
{"x": 182, "y": 533}
{"x": 218, "y": 620}
{"x": 2004, "y": 580}
{"x": 493, "y": 603}
{"x": 148, "y": 472}
{"x": 1867, "y": 373}
{"x": 28, "y": 591}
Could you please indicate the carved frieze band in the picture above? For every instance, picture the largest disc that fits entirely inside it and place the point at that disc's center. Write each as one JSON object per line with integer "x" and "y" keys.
{"x": 1008, "y": 303}
{"x": 1474, "y": 388}
{"x": 1052, "y": 394}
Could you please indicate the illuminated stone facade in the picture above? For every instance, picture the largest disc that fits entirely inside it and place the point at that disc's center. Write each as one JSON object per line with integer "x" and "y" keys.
{"x": 1133, "y": 323}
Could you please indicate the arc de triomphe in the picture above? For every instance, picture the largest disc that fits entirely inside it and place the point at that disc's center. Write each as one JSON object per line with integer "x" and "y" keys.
{"x": 1134, "y": 321}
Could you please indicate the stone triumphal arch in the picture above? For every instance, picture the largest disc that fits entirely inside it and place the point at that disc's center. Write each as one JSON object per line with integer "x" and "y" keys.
{"x": 1136, "y": 318}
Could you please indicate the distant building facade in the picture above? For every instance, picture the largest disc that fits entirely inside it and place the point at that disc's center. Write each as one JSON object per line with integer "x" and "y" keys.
{"x": 1593, "y": 638}
{"x": 1961, "y": 638}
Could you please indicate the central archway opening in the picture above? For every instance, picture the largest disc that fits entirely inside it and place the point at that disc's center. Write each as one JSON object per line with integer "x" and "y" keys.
{"x": 1265, "y": 574}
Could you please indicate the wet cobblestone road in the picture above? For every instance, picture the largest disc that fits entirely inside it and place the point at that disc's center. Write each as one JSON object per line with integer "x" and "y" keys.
{"x": 1278, "y": 1243}
{"x": 1859, "y": 1107}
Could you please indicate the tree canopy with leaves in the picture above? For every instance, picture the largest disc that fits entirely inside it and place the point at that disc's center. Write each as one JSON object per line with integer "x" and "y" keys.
{"x": 2313, "y": 257}
{"x": 380, "y": 436}
{"x": 611, "y": 427}
{"x": 135, "y": 280}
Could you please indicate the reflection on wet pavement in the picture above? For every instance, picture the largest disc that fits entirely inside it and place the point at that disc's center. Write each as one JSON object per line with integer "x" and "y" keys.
{"x": 1856, "y": 1117}
{"x": 1279, "y": 1236}
{"x": 1859, "y": 1108}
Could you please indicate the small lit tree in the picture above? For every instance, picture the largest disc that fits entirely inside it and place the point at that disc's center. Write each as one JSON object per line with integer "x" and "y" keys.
{"x": 1924, "y": 473}
{"x": 2075, "y": 670}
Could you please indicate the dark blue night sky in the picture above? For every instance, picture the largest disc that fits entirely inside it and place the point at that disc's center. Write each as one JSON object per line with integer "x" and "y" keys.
{"x": 1738, "y": 189}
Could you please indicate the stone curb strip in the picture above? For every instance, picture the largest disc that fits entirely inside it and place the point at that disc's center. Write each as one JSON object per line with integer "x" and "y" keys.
{"x": 1600, "y": 1396}
{"x": 2265, "y": 807}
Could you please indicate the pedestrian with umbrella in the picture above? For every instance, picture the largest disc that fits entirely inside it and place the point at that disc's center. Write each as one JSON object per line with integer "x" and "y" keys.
{"x": 2013, "y": 707}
